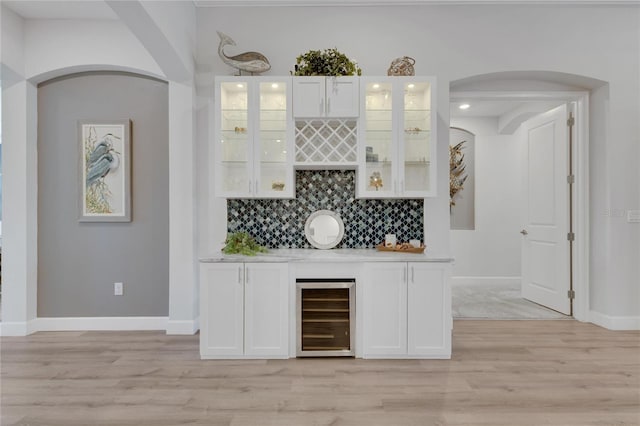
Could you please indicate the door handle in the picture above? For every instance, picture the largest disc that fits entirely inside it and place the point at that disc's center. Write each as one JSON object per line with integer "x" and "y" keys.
{"x": 524, "y": 232}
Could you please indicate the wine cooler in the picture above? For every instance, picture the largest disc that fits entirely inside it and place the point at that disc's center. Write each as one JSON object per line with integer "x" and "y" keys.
{"x": 325, "y": 317}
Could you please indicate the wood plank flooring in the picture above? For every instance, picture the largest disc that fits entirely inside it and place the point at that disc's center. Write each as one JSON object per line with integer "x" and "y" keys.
{"x": 502, "y": 373}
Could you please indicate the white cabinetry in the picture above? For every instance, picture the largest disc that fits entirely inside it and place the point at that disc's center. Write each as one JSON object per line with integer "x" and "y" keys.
{"x": 406, "y": 310}
{"x": 254, "y": 137}
{"x": 397, "y": 145}
{"x": 385, "y": 309}
{"x": 244, "y": 310}
{"x": 318, "y": 97}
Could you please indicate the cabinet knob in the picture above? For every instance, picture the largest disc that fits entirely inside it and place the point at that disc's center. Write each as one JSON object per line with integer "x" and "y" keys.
{"x": 524, "y": 232}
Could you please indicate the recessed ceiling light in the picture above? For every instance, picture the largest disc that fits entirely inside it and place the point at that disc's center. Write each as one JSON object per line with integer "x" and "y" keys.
{"x": 464, "y": 106}
{"x": 376, "y": 86}
{"x": 411, "y": 86}
{"x": 274, "y": 85}
{"x": 240, "y": 85}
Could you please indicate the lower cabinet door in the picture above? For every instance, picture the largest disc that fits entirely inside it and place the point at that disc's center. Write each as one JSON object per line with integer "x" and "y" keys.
{"x": 221, "y": 309}
{"x": 266, "y": 310}
{"x": 384, "y": 310}
{"x": 429, "y": 310}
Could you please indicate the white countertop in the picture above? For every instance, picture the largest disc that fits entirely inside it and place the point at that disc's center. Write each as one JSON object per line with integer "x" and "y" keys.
{"x": 333, "y": 255}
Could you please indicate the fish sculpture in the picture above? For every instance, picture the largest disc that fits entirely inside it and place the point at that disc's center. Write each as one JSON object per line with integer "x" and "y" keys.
{"x": 252, "y": 62}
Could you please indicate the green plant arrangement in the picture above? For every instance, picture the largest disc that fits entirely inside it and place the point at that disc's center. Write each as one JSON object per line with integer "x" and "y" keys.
{"x": 242, "y": 243}
{"x": 325, "y": 62}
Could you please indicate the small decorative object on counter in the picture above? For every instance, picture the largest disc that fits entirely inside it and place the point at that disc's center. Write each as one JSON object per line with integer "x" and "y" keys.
{"x": 375, "y": 180}
{"x": 402, "y": 247}
{"x": 402, "y": 66}
{"x": 390, "y": 241}
{"x": 242, "y": 243}
{"x": 326, "y": 62}
{"x": 277, "y": 185}
{"x": 252, "y": 62}
{"x": 415, "y": 243}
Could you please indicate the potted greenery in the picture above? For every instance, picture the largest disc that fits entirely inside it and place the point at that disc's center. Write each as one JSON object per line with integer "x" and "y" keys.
{"x": 242, "y": 243}
{"x": 325, "y": 62}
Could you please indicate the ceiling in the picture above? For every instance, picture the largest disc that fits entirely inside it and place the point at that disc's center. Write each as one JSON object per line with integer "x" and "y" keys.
{"x": 54, "y": 9}
{"x": 481, "y": 108}
{"x": 99, "y": 9}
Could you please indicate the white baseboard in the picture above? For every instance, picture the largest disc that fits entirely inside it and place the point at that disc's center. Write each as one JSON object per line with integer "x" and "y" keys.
{"x": 614, "y": 323}
{"x": 183, "y": 327}
{"x": 485, "y": 280}
{"x": 82, "y": 324}
{"x": 100, "y": 323}
{"x": 8, "y": 329}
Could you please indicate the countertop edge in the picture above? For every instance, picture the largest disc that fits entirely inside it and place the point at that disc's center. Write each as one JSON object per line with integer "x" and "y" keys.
{"x": 334, "y": 255}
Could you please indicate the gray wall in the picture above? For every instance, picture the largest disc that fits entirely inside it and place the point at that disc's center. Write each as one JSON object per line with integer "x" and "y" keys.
{"x": 79, "y": 262}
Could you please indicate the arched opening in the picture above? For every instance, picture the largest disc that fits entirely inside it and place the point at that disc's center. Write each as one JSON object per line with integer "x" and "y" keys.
{"x": 88, "y": 258}
{"x": 500, "y": 103}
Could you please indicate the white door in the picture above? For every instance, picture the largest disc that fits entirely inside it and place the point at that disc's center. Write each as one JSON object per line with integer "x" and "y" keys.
{"x": 342, "y": 97}
{"x": 429, "y": 309}
{"x": 221, "y": 307}
{"x": 308, "y": 97}
{"x": 545, "y": 248}
{"x": 266, "y": 310}
{"x": 384, "y": 319}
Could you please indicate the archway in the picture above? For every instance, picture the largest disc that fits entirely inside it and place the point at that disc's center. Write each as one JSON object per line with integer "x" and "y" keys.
{"x": 544, "y": 88}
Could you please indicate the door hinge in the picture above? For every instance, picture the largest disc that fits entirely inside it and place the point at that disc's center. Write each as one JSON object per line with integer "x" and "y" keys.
{"x": 571, "y": 179}
{"x": 571, "y": 121}
{"x": 571, "y": 236}
{"x": 571, "y": 294}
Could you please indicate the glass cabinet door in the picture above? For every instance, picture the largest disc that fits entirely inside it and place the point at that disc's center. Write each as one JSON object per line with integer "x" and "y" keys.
{"x": 272, "y": 168}
{"x": 235, "y": 138}
{"x": 379, "y": 140}
{"x": 417, "y": 137}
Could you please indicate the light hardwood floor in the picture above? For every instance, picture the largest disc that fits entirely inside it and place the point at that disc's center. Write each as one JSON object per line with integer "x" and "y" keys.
{"x": 502, "y": 373}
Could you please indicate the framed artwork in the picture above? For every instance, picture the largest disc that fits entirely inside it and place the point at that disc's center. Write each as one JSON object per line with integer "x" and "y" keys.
{"x": 105, "y": 170}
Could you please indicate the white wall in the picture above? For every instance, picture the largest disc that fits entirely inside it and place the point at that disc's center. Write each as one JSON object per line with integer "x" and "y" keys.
{"x": 11, "y": 46}
{"x": 56, "y": 47}
{"x": 82, "y": 45}
{"x": 454, "y": 42}
{"x": 493, "y": 248}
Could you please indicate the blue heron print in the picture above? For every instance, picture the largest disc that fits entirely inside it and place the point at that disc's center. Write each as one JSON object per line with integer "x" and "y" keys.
{"x": 101, "y": 159}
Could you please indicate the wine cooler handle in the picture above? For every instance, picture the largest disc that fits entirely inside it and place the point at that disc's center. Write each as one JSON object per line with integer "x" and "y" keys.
{"x": 240, "y": 275}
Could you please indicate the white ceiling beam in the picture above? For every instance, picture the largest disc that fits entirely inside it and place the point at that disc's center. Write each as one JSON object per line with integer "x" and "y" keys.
{"x": 140, "y": 22}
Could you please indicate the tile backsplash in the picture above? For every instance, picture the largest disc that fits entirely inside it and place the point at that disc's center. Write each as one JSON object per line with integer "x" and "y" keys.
{"x": 280, "y": 223}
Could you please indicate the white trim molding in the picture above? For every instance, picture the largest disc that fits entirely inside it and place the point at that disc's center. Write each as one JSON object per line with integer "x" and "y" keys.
{"x": 351, "y": 3}
{"x": 614, "y": 323}
{"x": 485, "y": 281}
{"x": 183, "y": 327}
{"x": 84, "y": 324}
{"x": 17, "y": 328}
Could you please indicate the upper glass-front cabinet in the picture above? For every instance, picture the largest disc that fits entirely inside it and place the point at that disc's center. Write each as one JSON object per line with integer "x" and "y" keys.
{"x": 396, "y": 148}
{"x": 253, "y": 154}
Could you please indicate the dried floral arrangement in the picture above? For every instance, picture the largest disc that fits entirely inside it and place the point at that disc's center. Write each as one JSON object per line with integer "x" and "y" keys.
{"x": 325, "y": 62}
{"x": 456, "y": 171}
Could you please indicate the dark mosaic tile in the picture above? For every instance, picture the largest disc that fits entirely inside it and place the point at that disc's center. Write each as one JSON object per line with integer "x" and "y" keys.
{"x": 280, "y": 223}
